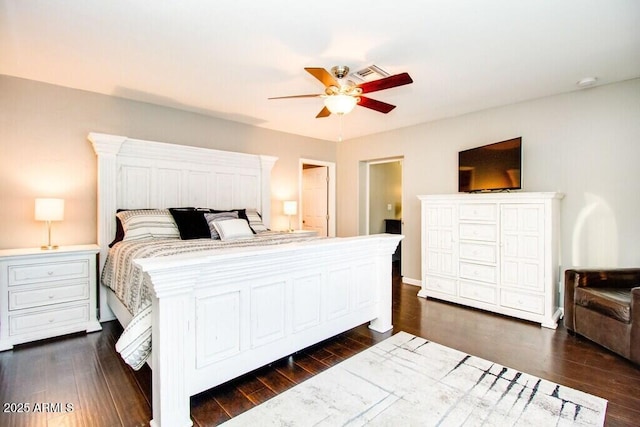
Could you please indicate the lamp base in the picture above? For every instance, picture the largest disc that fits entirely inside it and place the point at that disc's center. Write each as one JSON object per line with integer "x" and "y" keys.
{"x": 48, "y": 247}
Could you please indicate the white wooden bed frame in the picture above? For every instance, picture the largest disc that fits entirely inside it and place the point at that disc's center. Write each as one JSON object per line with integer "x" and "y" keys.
{"x": 216, "y": 317}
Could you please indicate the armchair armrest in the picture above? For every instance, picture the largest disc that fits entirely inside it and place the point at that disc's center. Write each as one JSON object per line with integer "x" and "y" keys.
{"x": 609, "y": 278}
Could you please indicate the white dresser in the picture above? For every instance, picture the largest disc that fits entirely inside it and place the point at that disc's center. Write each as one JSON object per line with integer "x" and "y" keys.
{"x": 494, "y": 251}
{"x": 46, "y": 293}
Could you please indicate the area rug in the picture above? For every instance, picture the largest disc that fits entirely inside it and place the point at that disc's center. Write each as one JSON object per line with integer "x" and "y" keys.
{"x": 409, "y": 381}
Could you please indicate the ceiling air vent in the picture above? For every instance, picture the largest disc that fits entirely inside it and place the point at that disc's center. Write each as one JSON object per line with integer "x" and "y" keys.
{"x": 370, "y": 73}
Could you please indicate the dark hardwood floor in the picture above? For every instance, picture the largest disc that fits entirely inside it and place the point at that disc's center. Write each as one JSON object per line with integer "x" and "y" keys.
{"x": 85, "y": 372}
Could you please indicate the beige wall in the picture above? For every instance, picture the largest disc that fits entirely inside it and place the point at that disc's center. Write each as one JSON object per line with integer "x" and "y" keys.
{"x": 584, "y": 144}
{"x": 44, "y": 152}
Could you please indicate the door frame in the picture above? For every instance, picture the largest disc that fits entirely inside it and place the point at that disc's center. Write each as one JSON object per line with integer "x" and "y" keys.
{"x": 331, "y": 192}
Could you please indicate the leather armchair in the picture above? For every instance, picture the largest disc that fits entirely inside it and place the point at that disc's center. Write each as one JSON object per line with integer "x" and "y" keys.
{"x": 604, "y": 306}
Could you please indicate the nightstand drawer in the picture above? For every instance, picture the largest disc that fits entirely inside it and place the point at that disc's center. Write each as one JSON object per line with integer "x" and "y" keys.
{"x": 43, "y": 320}
{"x": 20, "y": 298}
{"x": 20, "y": 274}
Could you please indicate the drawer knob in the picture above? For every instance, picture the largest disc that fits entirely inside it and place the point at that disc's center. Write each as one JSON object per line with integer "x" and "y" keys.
{"x": 51, "y": 320}
{"x": 50, "y": 296}
{"x": 50, "y": 273}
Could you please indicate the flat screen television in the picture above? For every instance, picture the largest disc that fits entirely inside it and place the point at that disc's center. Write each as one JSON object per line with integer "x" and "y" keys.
{"x": 493, "y": 167}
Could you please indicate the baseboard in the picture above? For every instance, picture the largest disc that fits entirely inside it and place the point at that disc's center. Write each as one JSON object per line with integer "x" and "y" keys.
{"x": 410, "y": 281}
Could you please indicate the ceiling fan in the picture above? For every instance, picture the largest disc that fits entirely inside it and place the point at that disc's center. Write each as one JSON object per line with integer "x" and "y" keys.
{"x": 341, "y": 95}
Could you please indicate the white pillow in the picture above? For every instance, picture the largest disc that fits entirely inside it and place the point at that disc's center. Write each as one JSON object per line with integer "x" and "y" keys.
{"x": 212, "y": 218}
{"x": 231, "y": 229}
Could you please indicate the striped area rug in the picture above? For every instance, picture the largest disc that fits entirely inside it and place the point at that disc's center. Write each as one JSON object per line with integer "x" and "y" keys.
{"x": 409, "y": 381}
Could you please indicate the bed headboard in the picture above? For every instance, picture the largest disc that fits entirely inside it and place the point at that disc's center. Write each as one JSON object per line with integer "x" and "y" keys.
{"x": 134, "y": 173}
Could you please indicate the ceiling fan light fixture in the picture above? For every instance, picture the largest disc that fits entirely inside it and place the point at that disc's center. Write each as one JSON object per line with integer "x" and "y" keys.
{"x": 340, "y": 104}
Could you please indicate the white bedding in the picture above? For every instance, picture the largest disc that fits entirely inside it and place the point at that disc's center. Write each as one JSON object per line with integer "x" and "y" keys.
{"x": 127, "y": 280}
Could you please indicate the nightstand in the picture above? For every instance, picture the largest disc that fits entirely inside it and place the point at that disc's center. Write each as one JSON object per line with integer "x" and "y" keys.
{"x": 44, "y": 293}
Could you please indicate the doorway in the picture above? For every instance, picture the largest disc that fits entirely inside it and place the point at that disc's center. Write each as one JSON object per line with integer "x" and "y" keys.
{"x": 317, "y": 197}
{"x": 383, "y": 204}
{"x": 384, "y": 191}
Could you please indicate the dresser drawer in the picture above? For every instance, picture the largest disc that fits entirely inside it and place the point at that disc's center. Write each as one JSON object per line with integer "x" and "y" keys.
{"x": 481, "y": 232}
{"x": 439, "y": 284}
{"x": 477, "y": 252}
{"x": 522, "y": 301}
{"x": 484, "y": 273}
{"x": 20, "y": 274}
{"x": 21, "y": 297}
{"x": 477, "y": 212}
{"x": 479, "y": 292}
{"x": 47, "y": 319}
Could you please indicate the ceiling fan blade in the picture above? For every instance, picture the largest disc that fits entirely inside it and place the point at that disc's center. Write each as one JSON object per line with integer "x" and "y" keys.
{"x": 373, "y": 104}
{"x": 386, "y": 83}
{"x": 314, "y": 95}
{"x": 323, "y": 75}
{"x": 323, "y": 113}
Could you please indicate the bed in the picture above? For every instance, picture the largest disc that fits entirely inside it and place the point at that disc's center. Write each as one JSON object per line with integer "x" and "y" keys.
{"x": 217, "y": 314}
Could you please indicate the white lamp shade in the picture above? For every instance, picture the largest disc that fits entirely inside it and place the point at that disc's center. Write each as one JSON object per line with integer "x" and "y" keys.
{"x": 49, "y": 209}
{"x": 290, "y": 207}
{"x": 340, "y": 104}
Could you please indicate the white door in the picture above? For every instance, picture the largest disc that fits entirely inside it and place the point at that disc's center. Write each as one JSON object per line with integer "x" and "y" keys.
{"x": 315, "y": 200}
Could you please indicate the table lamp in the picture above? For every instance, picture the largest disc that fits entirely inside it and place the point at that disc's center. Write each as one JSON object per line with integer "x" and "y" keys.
{"x": 49, "y": 210}
{"x": 290, "y": 208}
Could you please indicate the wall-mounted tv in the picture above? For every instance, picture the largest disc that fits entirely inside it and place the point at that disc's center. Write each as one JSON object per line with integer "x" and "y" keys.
{"x": 493, "y": 167}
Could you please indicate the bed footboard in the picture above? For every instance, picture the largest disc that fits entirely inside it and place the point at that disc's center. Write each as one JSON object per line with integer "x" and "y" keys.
{"x": 216, "y": 317}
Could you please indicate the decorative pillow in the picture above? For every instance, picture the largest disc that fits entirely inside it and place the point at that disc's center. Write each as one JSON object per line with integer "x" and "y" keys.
{"x": 255, "y": 221}
{"x": 232, "y": 229}
{"x": 242, "y": 213}
{"x": 145, "y": 224}
{"x": 213, "y": 217}
{"x": 120, "y": 229}
{"x": 191, "y": 223}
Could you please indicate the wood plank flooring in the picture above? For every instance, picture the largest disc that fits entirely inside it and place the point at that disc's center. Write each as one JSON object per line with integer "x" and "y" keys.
{"x": 84, "y": 374}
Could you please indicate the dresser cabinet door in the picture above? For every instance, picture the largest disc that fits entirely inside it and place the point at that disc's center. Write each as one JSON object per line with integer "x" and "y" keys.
{"x": 439, "y": 240}
{"x": 522, "y": 236}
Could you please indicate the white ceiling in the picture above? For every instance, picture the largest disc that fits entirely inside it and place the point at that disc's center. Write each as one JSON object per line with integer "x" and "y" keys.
{"x": 225, "y": 58}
